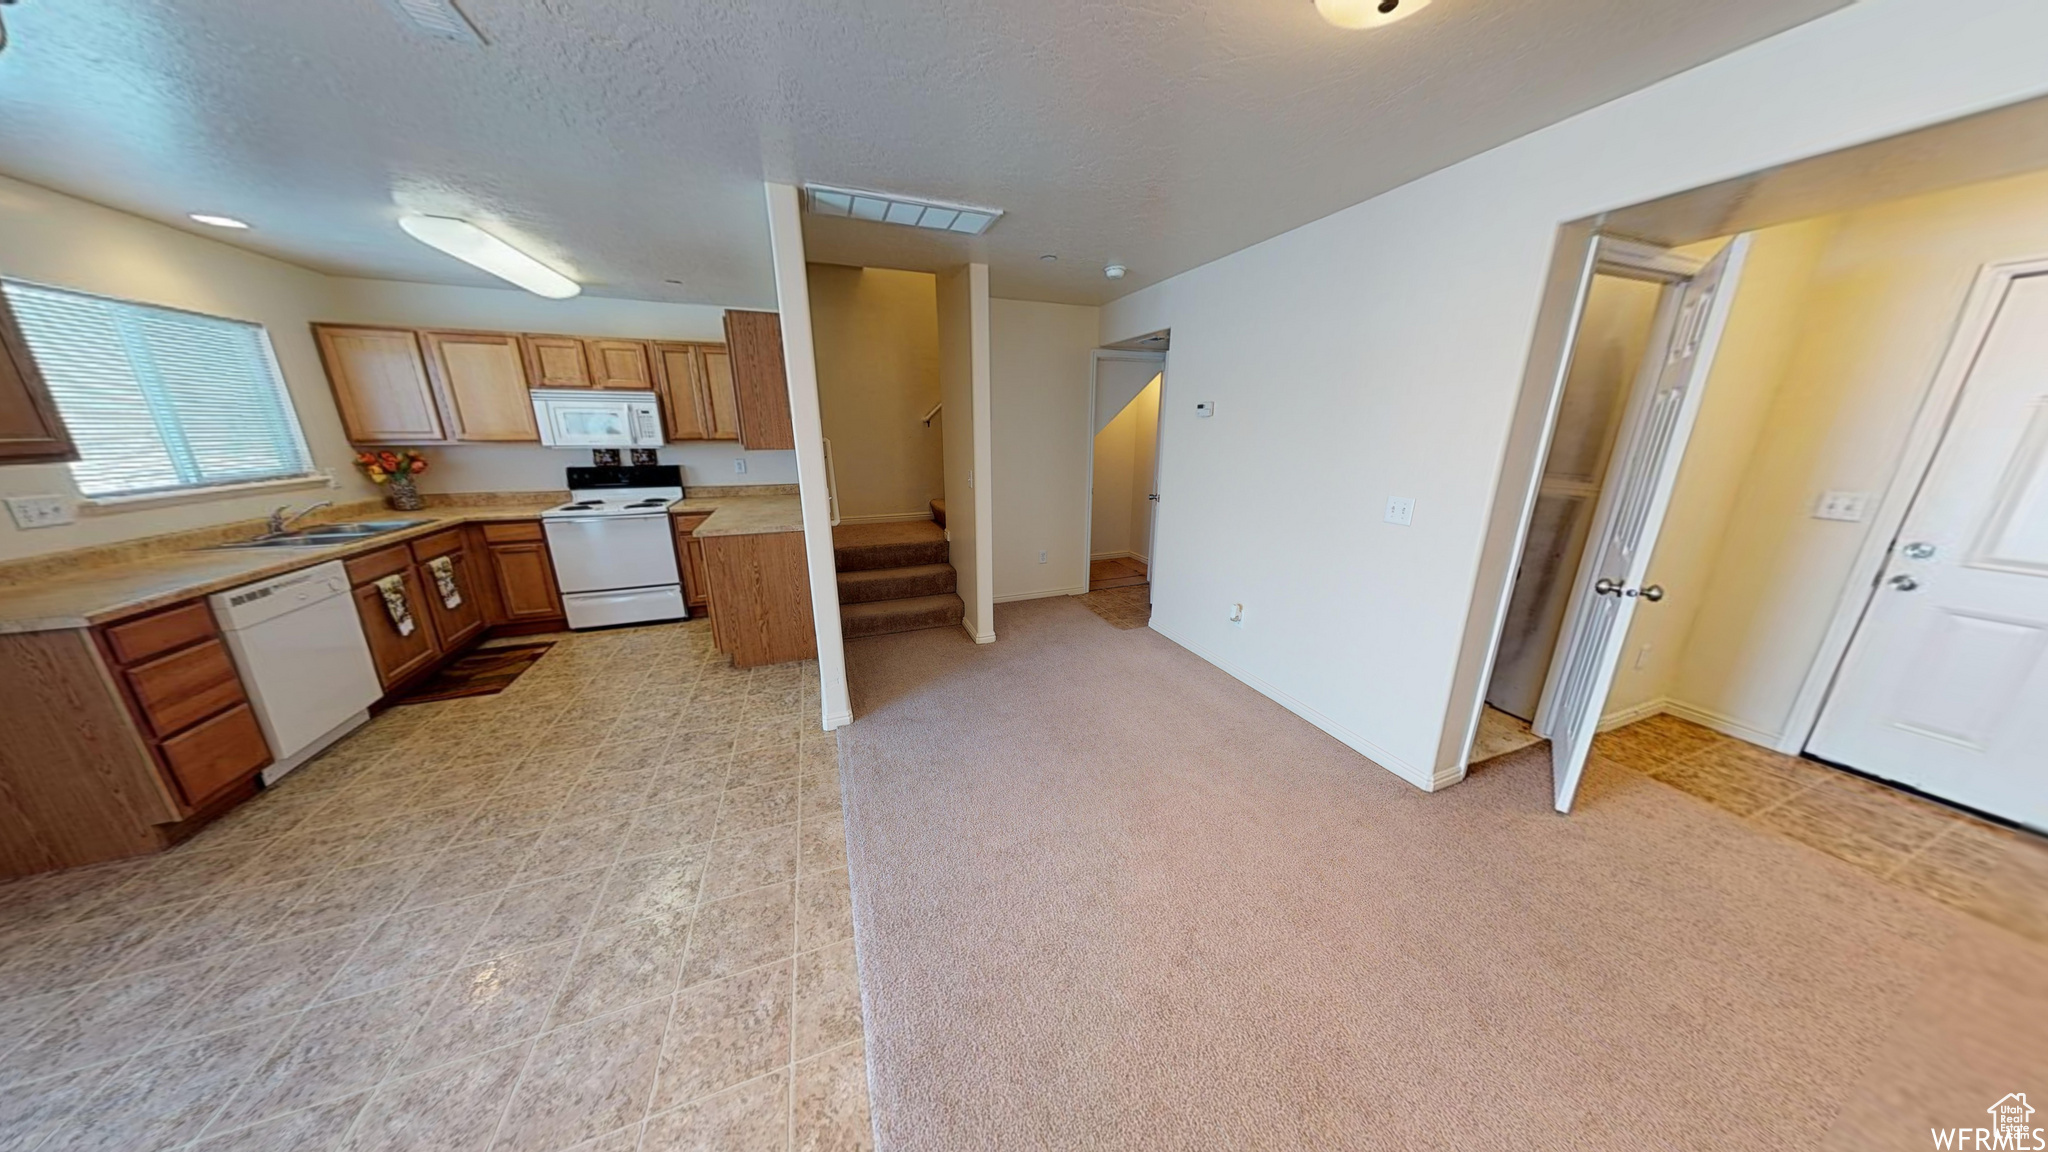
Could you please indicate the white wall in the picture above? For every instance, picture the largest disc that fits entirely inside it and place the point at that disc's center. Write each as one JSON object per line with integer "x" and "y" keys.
{"x": 529, "y": 467}
{"x": 876, "y": 332}
{"x": 1038, "y": 400}
{"x": 69, "y": 243}
{"x": 964, "y": 383}
{"x": 1379, "y": 351}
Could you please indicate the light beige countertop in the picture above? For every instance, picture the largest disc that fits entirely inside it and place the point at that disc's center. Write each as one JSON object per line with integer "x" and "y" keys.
{"x": 744, "y": 515}
{"x": 96, "y": 592}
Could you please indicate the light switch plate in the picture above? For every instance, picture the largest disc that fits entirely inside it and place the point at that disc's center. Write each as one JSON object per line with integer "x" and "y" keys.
{"x": 40, "y": 511}
{"x": 1849, "y": 506}
{"x": 1400, "y": 509}
{"x": 1205, "y": 408}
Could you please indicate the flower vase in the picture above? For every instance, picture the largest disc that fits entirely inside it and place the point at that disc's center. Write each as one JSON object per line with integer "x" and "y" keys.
{"x": 403, "y": 495}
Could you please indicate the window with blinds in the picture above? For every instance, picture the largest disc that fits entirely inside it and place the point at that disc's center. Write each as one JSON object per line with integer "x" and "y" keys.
{"x": 160, "y": 400}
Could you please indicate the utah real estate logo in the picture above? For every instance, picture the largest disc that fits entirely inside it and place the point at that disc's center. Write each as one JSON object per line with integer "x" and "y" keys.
{"x": 2012, "y": 1127}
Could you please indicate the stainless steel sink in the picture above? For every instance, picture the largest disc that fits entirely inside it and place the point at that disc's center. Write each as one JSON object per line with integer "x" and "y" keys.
{"x": 326, "y": 535}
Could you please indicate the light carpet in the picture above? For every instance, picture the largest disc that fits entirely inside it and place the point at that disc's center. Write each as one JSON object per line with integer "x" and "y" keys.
{"x": 1106, "y": 897}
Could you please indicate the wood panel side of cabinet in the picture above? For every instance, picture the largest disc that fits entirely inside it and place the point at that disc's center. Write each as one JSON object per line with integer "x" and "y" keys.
{"x": 760, "y": 382}
{"x": 761, "y": 597}
{"x": 31, "y": 428}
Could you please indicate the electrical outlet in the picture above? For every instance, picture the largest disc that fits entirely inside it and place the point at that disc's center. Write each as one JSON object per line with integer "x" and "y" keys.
{"x": 1205, "y": 409}
{"x": 1849, "y": 506}
{"x": 40, "y": 511}
{"x": 1643, "y": 656}
{"x": 1041, "y": 555}
{"x": 739, "y": 465}
{"x": 1400, "y": 509}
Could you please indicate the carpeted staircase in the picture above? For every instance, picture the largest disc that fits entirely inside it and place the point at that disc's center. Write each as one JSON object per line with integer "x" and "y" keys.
{"x": 894, "y": 578}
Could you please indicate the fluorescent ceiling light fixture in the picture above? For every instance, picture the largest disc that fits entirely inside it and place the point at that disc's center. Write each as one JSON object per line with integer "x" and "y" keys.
{"x": 1368, "y": 13}
{"x": 211, "y": 220}
{"x": 472, "y": 245}
{"x": 890, "y": 208}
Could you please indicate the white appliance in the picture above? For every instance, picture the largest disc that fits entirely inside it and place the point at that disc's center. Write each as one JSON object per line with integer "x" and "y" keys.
{"x": 304, "y": 662}
{"x": 587, "y": 418}
{"x": 613, "y": 546}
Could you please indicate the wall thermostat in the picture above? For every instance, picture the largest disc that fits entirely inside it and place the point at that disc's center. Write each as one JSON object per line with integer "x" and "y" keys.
{"x": 1205, "y": 408}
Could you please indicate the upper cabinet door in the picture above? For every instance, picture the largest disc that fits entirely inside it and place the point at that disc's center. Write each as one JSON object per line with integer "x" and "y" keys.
{"x": 380, "y": 384}
{"x": 482, "y": 382}
{"x": 754, "y": 340}
{"x": 715, "y": 391}
{"x": 556, "y": 362}
{"x": 621, "y": 364}
{"x": 30, "y": 429}
{"x": 675, "y": 375}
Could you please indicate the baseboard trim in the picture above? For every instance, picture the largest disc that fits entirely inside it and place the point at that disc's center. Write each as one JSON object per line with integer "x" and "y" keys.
{"x": 838, "y": 720}
{"x": 887, "y": 518}
{"x": 1426, "y": 781}
{"x": 1725, "y": 725}
{"x": 1070, "y": 590}
{"x": 968, "y": 627}
{"x": 1125, "y": 555}
{"x": 1627, "y": 716}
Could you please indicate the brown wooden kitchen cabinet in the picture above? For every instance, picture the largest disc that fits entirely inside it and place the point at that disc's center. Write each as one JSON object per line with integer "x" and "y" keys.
{"x": 31, "y": 431}
{"x": 555, "y": 361}
{"x": 524, "y": 573}
{"x": 480, "y": 380}
{"x": 121, "y": 740}
{"x": 754, "y": 341}
{"x": 695, "y": 382}
{"x": 760, "y": 591}
{"x": 454, "y": 627}
{"x": 380, "y": 384}
{"x": 690, "y": 560}
{"x": 398, "y": 656}
{"x": 625, "y": 364}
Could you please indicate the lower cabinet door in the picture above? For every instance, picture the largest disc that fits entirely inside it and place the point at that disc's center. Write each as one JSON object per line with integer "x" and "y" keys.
{"x": 397, "y": 655}
{"x": 215, "y": 753}
{"x": 458, "y": 625}
{"x": 526, "y": 581}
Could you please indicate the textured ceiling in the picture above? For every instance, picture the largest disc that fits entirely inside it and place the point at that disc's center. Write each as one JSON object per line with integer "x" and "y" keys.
{"x": 625, "y": 140}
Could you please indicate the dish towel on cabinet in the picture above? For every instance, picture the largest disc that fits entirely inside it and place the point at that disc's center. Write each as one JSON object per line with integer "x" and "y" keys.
{"x": 444, "y": 582}
{"x": 392, "y": 588}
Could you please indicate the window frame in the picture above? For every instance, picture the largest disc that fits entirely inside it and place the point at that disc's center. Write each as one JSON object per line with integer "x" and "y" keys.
{"x": 310, "y": 475}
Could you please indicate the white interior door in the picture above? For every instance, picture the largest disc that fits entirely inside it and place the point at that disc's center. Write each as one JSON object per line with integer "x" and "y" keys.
{"x": 1945, "y": 687}
{"x": 1644, "y": 468}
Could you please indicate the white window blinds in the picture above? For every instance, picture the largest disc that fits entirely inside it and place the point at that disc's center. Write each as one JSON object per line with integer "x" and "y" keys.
{"x": 156, "y": 399}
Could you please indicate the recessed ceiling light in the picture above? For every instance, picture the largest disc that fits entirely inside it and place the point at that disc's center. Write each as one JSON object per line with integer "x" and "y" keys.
{"x": 1048, "y": 257}
{"x": 472, "y": 245}
{"x": 1368, "y": 13}
{"x": 213, "y": 221}
{"x": 891, "y": 208}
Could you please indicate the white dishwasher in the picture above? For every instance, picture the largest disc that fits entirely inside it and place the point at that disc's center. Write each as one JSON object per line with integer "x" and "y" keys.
{"x": 304, "y": 662}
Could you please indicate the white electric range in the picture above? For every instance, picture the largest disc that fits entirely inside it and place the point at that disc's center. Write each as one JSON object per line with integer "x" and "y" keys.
{"x": 613, "y": 547}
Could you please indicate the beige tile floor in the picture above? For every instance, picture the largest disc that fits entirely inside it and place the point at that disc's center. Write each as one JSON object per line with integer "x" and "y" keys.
{"x": 1983, "y": 869}
{"x": 605, "y": 909}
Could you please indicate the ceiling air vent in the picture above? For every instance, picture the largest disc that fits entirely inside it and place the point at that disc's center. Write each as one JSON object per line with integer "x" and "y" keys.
{"x": 440, "y": 19}
{"x": 889, "y": 208}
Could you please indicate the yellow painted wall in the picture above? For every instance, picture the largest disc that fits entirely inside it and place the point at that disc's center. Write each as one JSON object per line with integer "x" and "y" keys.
{"x": 876, "y": 336}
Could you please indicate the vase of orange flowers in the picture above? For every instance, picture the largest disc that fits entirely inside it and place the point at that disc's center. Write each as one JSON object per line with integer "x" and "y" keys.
{"x": 395, "y": 471}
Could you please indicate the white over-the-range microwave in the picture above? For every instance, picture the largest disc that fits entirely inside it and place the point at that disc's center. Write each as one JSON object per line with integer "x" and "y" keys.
{"x": 576, "y": 418}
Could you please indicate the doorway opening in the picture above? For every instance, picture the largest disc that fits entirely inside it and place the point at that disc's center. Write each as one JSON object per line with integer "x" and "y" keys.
{"x": 1127, "y": 385}
{"x": 1842, "y": 562}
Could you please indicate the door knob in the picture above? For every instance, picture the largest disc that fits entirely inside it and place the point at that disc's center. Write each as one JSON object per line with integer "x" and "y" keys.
{"x": 1653, "y": 593}
{"x": 1605, "y": 587}
{"x": 1918, "y": 551}
{"x": 1904, "y": 583}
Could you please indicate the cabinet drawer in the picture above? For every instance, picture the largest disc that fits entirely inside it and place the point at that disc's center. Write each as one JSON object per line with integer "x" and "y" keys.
{"x": 513, "y": 531}
{"x": 216, "y": 753}
{"x": 185, "y": 687}
{"x": 439, "y": 544}
{"x": 379, "y": 564}
{"x": 137, "y": 640}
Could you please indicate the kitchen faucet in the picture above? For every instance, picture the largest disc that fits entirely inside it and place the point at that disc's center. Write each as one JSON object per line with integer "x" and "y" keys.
{"x": 282, "y": 517}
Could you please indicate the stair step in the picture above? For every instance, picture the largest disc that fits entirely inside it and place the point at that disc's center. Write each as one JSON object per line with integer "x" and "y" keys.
{"x": 904, "y": 544}
{"x": 939, "y": 513}
{"x": 879, "y": 617}
{"x": 873, "y": 584}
